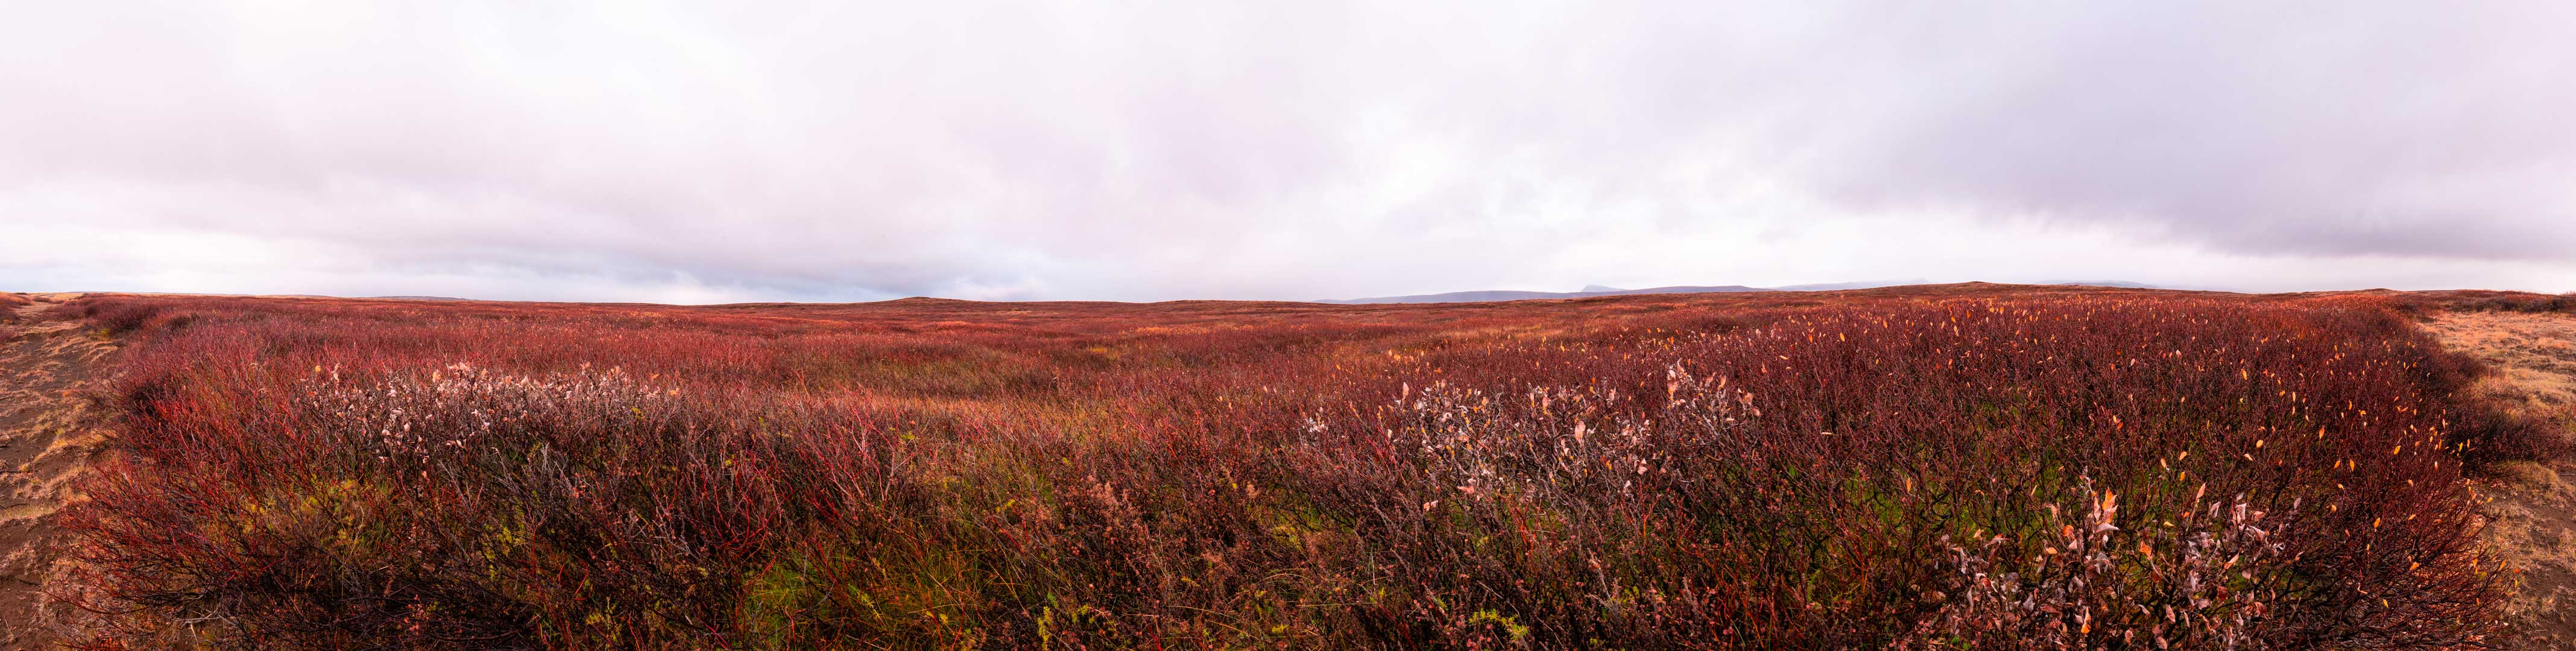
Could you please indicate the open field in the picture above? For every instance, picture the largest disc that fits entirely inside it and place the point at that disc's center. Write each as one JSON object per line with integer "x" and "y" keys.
{"x": 1969, "y": 466}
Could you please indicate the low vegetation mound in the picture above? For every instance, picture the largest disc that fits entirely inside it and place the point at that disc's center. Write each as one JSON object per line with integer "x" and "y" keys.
{"x": 1997, "y": 470}
{"x": 10, "y": 304}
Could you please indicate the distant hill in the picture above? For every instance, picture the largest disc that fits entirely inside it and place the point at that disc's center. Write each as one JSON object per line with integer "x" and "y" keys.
{"x": 1605, "y": 290}
{"x": 1867, "y": 284}
{"x": 2106, "y": 283}
{"x": 1593, "y": 290}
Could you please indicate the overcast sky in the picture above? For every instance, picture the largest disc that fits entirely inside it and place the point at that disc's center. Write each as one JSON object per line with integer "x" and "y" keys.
{"x": 1296, "y": 150}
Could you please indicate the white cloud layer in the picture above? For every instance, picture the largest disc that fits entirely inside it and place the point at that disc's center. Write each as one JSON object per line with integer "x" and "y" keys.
{"x": 1136, "y": 151}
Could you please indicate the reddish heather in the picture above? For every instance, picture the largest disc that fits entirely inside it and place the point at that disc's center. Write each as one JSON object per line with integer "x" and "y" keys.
{"x": 1970, "y": 466}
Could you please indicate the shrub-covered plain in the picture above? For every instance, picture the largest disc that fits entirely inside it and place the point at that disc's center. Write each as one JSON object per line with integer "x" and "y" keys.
{"x": 1970, "y": 469}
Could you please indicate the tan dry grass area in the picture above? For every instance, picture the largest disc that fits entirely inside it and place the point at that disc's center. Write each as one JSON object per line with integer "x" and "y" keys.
{"x": 2532, "y": 515}
{"x": 2534, "y": 352}
{"x": 48, "y": 433}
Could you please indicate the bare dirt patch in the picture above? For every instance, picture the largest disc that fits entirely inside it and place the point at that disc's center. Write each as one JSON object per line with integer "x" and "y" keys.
{"x": 2532, "y": 512}
{"x": 48, "y": 433}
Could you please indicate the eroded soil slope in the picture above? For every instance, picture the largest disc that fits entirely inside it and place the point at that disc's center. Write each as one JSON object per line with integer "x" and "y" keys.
{"x": 48, "y": 433}
{"x": 2532, "y": 520}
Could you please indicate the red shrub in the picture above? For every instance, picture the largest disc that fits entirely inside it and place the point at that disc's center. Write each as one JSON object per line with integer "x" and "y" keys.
{"x": 2001, "y": 470}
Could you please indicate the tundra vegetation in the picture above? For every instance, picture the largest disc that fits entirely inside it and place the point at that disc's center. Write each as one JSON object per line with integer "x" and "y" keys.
{"x": 1961, "y": 467}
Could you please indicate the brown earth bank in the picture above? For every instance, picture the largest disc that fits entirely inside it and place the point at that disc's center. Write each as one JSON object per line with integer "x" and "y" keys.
{"x": 2532, "y": 508}
{"x": 48, "y": 433}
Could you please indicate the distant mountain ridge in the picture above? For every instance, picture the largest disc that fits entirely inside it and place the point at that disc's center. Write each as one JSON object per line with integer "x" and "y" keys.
{"x": 1604, "y": 290}
{"x": 2106, "y": 283}
{"x": 1868, "y": 284}
{"x": 1505, "y": 295}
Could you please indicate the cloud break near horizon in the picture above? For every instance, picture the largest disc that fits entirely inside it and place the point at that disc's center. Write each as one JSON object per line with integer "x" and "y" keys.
{"x": 1147, "y": 151}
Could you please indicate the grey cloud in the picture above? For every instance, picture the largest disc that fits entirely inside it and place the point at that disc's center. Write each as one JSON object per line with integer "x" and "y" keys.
{"x": 1288, "y": 150}
{"x": 2394, "y": 128}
